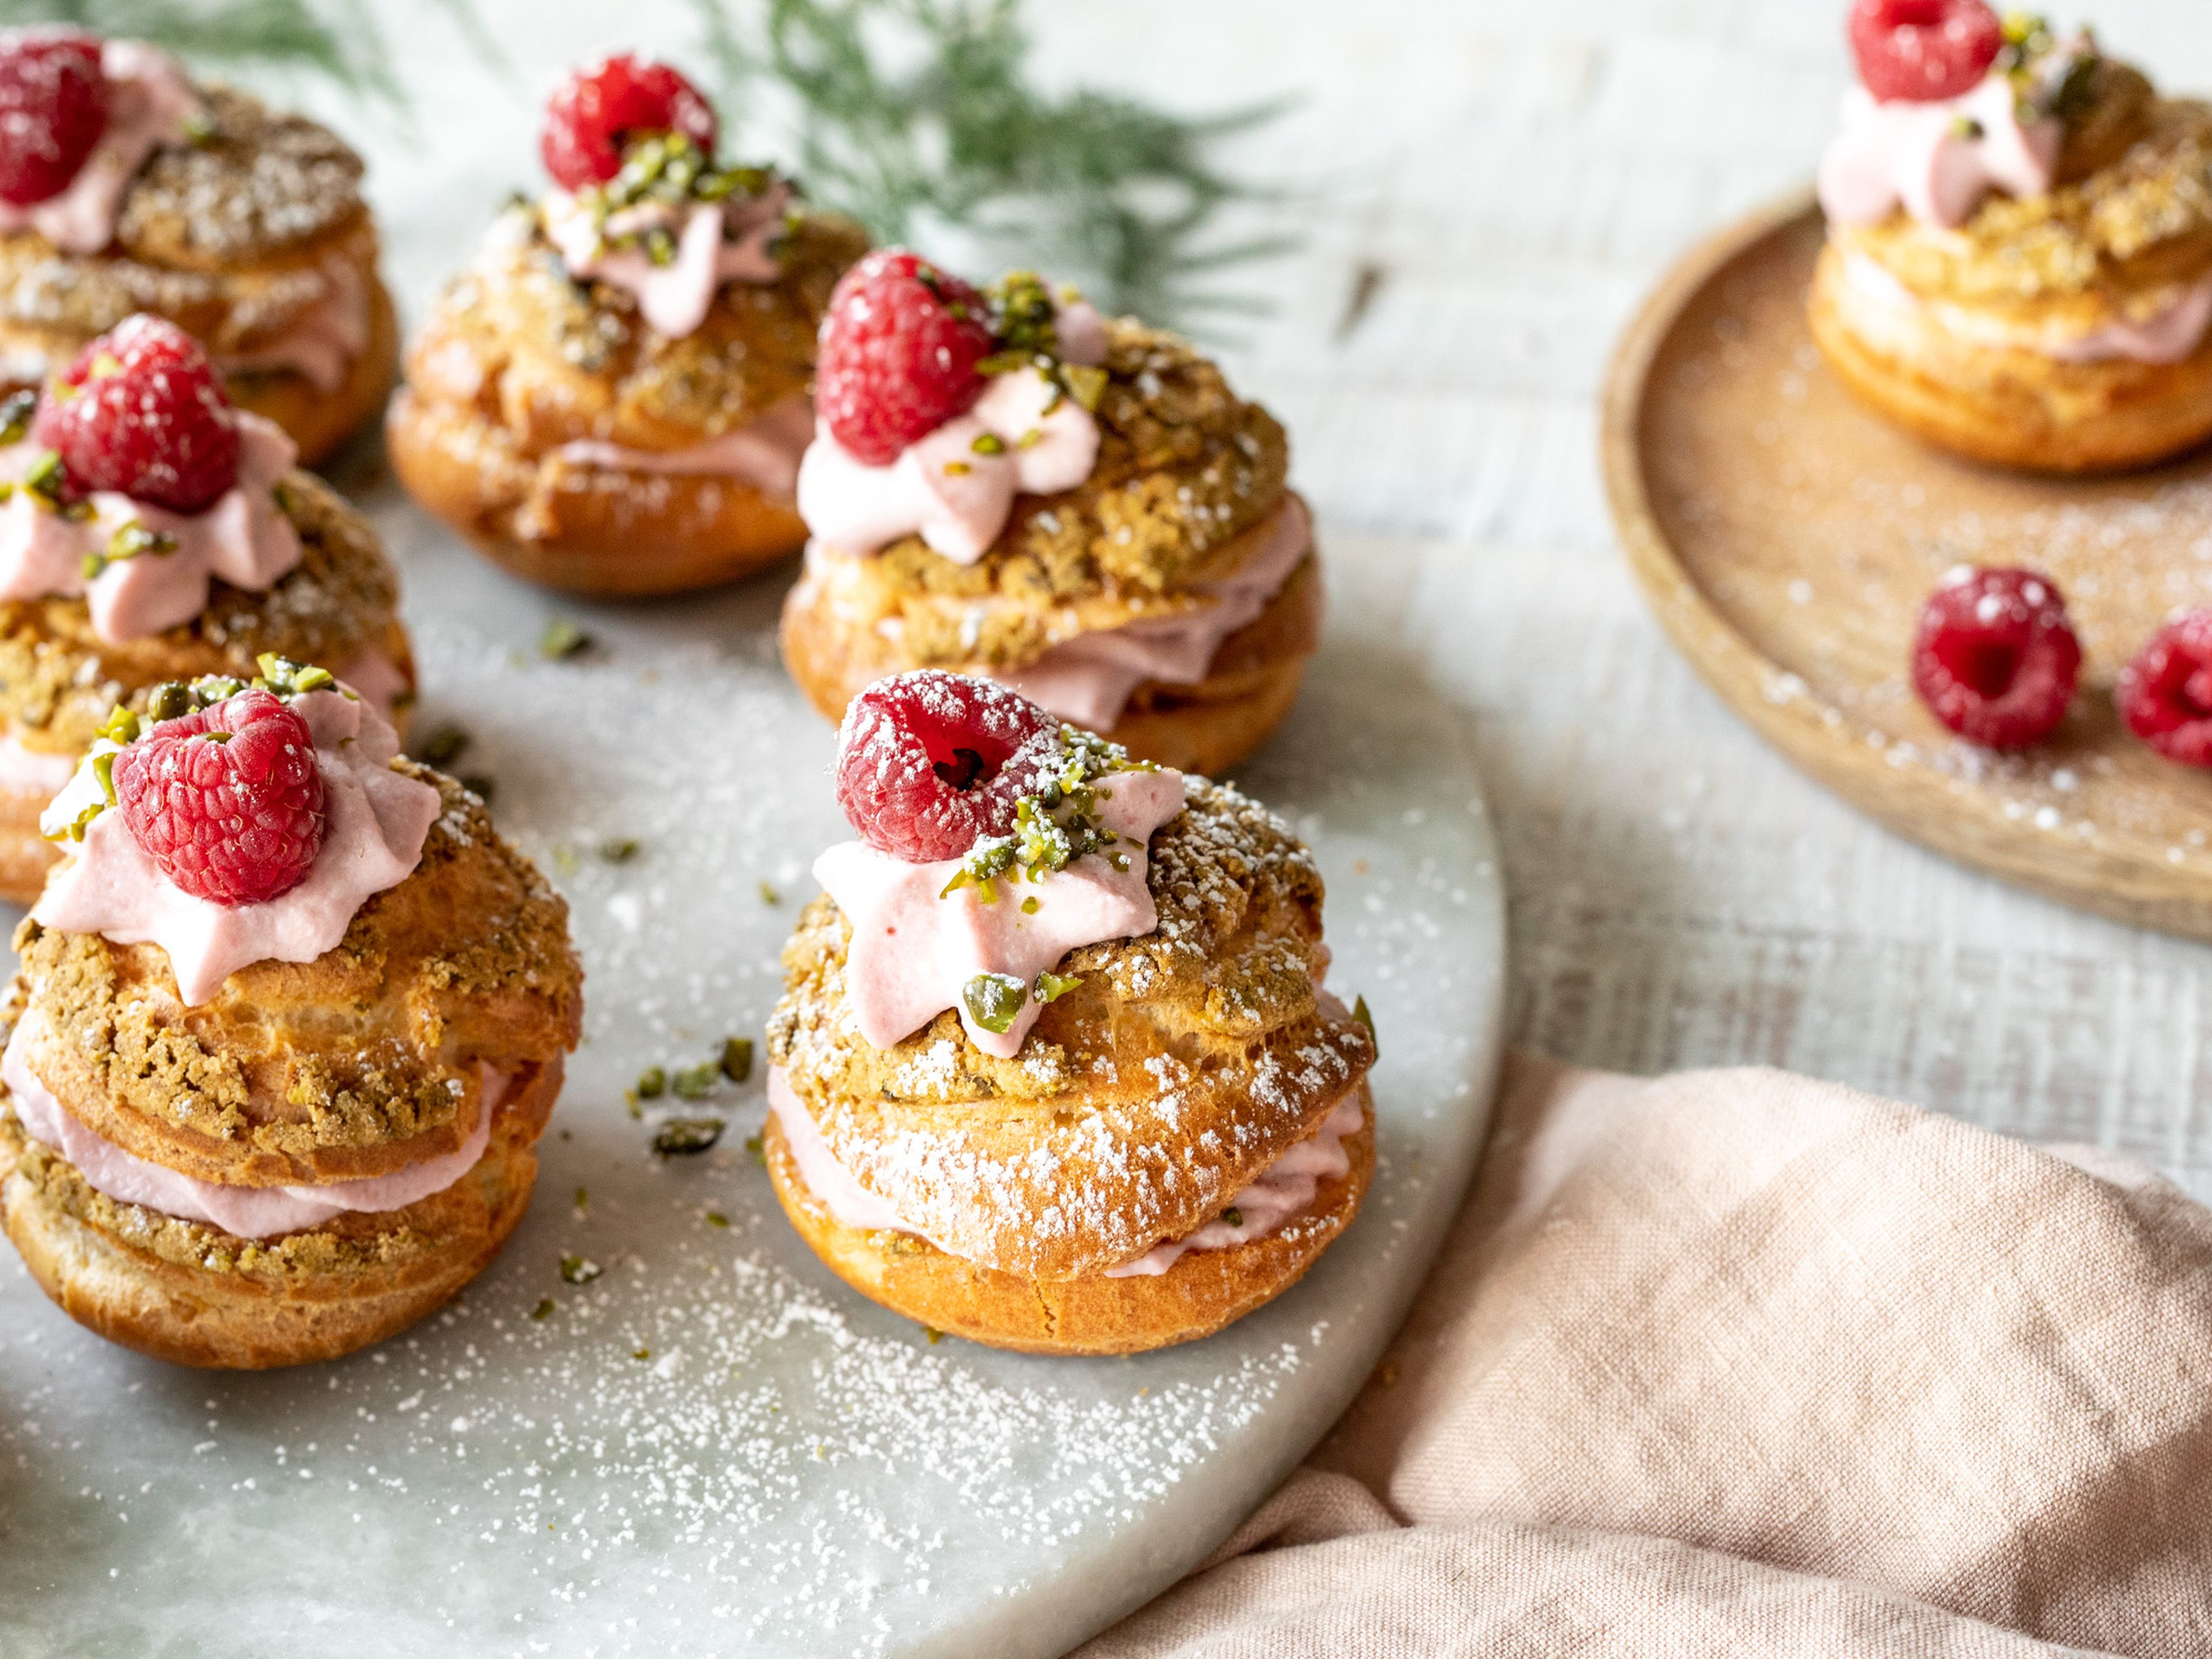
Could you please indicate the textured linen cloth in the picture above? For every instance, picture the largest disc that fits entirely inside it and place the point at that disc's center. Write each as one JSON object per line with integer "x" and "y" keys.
{"x": 1738, "y": 1363}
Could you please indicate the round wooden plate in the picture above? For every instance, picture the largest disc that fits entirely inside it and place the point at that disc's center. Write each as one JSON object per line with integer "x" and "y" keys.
{"x": 1786, "y": 539}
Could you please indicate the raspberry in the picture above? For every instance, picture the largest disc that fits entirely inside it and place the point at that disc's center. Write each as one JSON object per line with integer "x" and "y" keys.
{"x": 2165, "y": 694}
{"x": 53, "y": 107}
{"x": 898, "y": 354}
{"x": 234, "y": 821}
{"x": 928, "y": 763}
{"x": 141, "y": 411}
{"x": 1996, "y": 660}
{"x": 1923, "y": 50}
{"x": 597, "y": 112}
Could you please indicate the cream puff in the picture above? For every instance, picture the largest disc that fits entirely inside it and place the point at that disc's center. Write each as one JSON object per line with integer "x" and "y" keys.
{"x": 2019, "y": 261}
{"x": 126, "y": 188}
{"x": 1053, "y": 1069}
{"x": 612, "y": 398}
{"x": 150, "y": 533}
{"x": 287, "y": 1025}
{"x": 1009, "y": 485}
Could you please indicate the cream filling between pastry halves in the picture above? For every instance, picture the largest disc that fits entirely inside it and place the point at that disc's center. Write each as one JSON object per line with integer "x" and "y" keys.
{"x": 241, "y": 1211}
{"x": 2165, "y": 327}
{"x": 765, "y": 452}
{"x": 376, "y": 821}
{"x": 1279, "y": 1194}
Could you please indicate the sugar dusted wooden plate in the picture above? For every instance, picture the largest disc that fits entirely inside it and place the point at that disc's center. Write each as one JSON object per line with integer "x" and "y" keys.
{"x": 1786, "y": 538}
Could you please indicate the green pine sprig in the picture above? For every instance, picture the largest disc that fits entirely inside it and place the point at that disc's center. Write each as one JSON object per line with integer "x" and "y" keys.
{"x": 919, "y": 112}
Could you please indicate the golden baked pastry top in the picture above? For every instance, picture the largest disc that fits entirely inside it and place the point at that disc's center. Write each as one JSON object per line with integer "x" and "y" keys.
{"x": 221, "y": 236}
{"x": 1184, "y": 1063}
{"x": 2132, "y": 213}
{"x": 552, "y": 360}
{"x": 359, "y": 1062}
{"x": 58, "y": 680}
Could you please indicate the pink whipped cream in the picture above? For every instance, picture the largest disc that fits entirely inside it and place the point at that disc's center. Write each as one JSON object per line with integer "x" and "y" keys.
{"x": 915, "y": 946}
{"x": 241, "y": 1211}
{"x": 377, "y": 819}
{"x": 32, "y": 771}
{"x": 716, "y": 242}
{"x": 1938, "y": 159}
{"x": 376, "y": 680}
{"x": 2167, "y": 331}
{"x": 763, "y": 454}
{"x": 1283, "y": 1190}
{"x": 942, "y": 487}
{"x": 1087, "y": 680}
{"x": 243, "y": 538}
{"x": 1279, "y": 1193}
{"x": 150, "y": 100}
{"x": 324, "y": 342}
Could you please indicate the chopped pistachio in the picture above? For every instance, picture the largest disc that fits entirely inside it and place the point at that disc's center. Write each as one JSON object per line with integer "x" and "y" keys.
{"x": 641, "y": 1353}
{"x": 583, "y": 1199}
{"x": 564, "y": 860}
{"x": 1087, "y": 386}
{"x": 619, "y": 849}
{"x": 1360, "y": 1013}
{"x": 46, "y": 478}
{"x": 578, "y": 1269}
{"x": 1051, "y": 987}
{"x": 122, "y": 725}
{"x": 757, "y": 1145}
{"x": 697, "y": 1082}
{"x": 736, "y": 1058}
{"x": 684, "y": 1137}
{"x": 994, "y": 1001}
{"x": 15, "y": 412}
{"x": 1030, "y": 905}
{"x": 957, "y": 469}
{"x": 768, "y": 896}
{"x": 170, "y": 700}
{"x": 288, "y": 678}
{"x": 544, "y": 1308}
{"x": 716, "y": 1218}
{"x": 1233, "y": 1216}
{"x": 561, "y": 639}
{"x": 988, "y": 443}
{"x": 934, "y": 1335}
{"x": 652, "y": 1082}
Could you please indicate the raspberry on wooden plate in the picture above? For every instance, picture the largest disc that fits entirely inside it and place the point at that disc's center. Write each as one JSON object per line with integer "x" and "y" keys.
{"x": 929, "y": 762}
{"x": 141, "y": 411}
{"x": 898, "y": 355}
{"x": 226, "y": 800}
{"x": 598, "y": 111}
{"x": 1996, "y": 660}
{"x": 2165, "y": 694}
{"x": 1924, "y": 51}
{"x": 53, "y": 107}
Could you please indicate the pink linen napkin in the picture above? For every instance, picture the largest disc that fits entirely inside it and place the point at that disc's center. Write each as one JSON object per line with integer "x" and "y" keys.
{"x": 1738, "y": 1363}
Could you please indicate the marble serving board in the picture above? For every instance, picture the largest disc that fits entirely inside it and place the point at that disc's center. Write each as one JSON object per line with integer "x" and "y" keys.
{"x": 714, "y": 1446}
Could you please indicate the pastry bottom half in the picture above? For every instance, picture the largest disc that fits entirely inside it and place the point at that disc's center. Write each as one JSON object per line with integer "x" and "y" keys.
{"x": 1204, "y": 1291}
{"x": 2008, "y": 406}
{"x": 193, "y": 1294}
{"x": 597, "y": 530}
{"x": 1205, "y": 728}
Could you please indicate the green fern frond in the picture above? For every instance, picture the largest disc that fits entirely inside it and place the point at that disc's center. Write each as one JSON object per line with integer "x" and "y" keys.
{"x": 1098, "y": 187}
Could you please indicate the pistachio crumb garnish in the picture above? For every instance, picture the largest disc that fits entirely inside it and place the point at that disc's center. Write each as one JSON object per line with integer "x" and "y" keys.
{"x": 578, "y": 1270}
{"x": 15, "y": 412}
{"x": 641, "y": 1353}
{"x": 583, "y": 1199}
{"x": 1233, "y": 1216}
{"x": 716, "y": 1218}
{"x": 957, "y": 469}
{"x": 684, "y": 1137}
{"x": 544, "y": 1308}
{"x": 736, "y": 1058}
{"x": 561, "y": 640}
{"x": 652, "y": 1082}
{"x": 934, "y": 1335}
{"x": 697, "y": 1082}
{"x": 619, "y": 849}
{"x": 1051, "y": 987}
{"x": 769, "y": 896}
{"x": 994, "y": 1001}
{"x": 757, "y": 1145}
